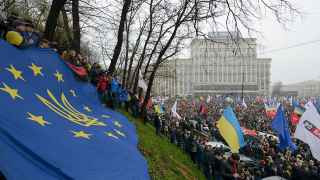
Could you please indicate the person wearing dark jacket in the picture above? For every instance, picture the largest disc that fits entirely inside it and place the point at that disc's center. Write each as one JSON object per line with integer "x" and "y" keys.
{"x": 229, "y": 168}
{"x": 157, "y": 124}
{"x": 30, "y": 36}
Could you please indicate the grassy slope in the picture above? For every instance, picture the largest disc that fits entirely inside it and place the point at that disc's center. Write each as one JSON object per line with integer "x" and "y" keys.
{"x": 165, "y": 160}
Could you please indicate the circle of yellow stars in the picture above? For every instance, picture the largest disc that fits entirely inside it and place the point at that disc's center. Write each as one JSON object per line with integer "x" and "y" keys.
{"x": 14, "y": 94}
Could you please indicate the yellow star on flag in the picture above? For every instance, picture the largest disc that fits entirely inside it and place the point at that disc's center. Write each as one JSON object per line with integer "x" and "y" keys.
{"x": 38, "y": 119}
{"x": 12, "y": 92}
{"x": 73, "y": 93}
{"x": 111, "y": 135}
{"x": 116, "y": 123}
{"x": 106, "y": 116}
{"x": 59, "y": 76}
{"x": 81, "y": 134}
{"x": 87, "y": 109}
{"x": 16, "y": 74}
{"x": 36, "y": 69}
{"x": 120, "y": 133}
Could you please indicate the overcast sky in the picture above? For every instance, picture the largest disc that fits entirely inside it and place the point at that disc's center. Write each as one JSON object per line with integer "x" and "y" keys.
{"x": 299, "y": 63}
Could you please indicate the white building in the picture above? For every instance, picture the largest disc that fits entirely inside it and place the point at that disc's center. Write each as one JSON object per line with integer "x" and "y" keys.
{"x": 309, "y": 88}
{"x": 173, "y": 78}
{"x": 217, "y": 66}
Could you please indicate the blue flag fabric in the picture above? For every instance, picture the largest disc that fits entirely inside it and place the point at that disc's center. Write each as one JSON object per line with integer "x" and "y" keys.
{"x": 280, "y": 126}
{"x": 53, "y": 127}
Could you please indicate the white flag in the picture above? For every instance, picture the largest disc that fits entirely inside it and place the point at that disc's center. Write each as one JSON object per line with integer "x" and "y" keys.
{"x": 208, "y": 99}
{"x": 174, "y": 111}
{"x": 142, "y": 83}
{"x": 308, "y": 129}
{"x": 244, "y": 103}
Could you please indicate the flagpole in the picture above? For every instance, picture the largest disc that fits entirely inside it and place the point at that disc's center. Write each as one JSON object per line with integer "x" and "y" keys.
{"x": 242, "y": 86}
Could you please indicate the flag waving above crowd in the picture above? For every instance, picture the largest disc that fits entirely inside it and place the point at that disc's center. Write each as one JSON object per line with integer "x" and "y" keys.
{"x": 308, "y": 129}
{"x": 230, "y": 129}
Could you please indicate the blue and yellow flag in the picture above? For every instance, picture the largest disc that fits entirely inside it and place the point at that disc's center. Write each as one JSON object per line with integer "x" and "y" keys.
{"x": 54, "y": 127}
{"x": 299, "y": 110}
{"x": 230, "y": 130}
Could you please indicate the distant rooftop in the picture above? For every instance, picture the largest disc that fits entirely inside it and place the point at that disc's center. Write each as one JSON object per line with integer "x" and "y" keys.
{"x": 225, "y": 35}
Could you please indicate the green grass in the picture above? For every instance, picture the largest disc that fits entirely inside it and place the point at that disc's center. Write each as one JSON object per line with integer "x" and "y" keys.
{"x": 165, "y": 160}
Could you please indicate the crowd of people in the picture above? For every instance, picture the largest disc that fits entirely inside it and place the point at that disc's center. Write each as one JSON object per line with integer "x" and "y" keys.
{"x": 197, "y": 128}
{"x": 198, "y": 125}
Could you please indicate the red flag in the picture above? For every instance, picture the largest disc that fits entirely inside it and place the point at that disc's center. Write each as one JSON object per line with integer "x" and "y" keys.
{"x": 79, "y": 70}
{"x": 294, "y": 118}
{"x": 271, "y": 114}
{"x": 249, "y": 131}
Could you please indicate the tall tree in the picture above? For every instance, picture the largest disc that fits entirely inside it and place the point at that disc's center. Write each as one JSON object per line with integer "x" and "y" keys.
{"x": 66, "y": 26}
{"x": 117, "y": 49}
{"x": 76, "y": 26}
{"x": 52, "y": 19}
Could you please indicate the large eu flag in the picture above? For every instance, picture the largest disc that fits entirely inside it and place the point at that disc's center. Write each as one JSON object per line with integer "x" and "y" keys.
{"x": 53, "y": 126}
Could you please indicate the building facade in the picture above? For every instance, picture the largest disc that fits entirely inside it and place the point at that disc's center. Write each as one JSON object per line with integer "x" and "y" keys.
{"x": 173, "y": 78}
{"x": 309, "y": 88}
{"x": 218, "y": 65}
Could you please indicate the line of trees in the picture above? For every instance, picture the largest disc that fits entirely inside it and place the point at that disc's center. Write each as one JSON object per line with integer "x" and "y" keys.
{"x": 135, "y": 37}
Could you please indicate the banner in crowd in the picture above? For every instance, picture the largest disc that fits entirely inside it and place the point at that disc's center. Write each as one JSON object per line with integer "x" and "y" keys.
{"x": 54, "y": 127}
{"x": 308, "y": 129}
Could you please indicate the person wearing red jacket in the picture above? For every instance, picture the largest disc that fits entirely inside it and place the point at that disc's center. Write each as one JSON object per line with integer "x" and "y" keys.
{"x": 103, "y": 83}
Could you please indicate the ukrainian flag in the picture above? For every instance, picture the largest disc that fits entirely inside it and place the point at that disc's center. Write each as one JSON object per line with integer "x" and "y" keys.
{"x": 230, "y": 130}
{"x": 299, "y": 111}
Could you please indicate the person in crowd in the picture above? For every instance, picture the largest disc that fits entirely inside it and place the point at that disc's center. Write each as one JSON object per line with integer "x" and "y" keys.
{"x": 14, "y": 36}
{"x": 54, "y": 45}
{"x": 190, "y": 134}
{"x": 31, "y": 37}
{"x": 94, "y": 73}
{"x": 44, "y": 43}
{"x": 157, "y": 124}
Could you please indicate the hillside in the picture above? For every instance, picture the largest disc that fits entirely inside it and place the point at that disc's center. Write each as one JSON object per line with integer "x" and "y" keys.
{"x": 165, "y": 160}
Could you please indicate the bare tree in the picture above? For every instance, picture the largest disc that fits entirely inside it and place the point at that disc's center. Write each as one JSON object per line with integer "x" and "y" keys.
{"x": 52, "y": 19}
{"x": 76, "y": 26}
{"x": 118, "y": 46}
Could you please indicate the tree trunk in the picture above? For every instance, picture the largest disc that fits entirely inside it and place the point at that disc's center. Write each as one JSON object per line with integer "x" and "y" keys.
{"x": 52, "y": 19}
{"x": 127, "y": 56}
{"x": 76, "y": 26}
{"x": 150, "y": 83}
{"x": 66, "y": 26}
{"x": 117, "y": 49}
{"x": 136, "y": 80}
